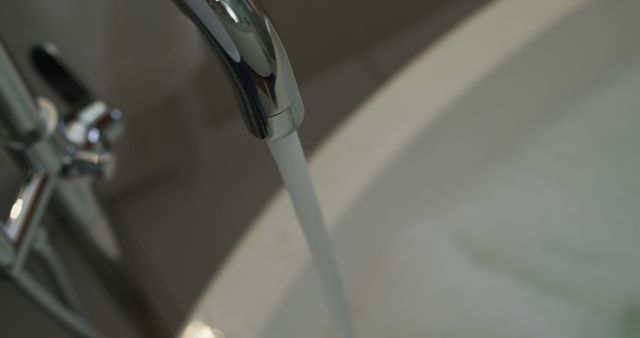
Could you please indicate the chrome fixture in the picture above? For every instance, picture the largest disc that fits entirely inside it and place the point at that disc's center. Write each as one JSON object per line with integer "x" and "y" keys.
{"x": 243, "y": 37}
{"x": 60, "y": 156}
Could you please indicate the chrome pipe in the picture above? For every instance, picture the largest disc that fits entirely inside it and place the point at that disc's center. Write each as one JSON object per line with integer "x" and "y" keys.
{"x": 7, "y": 251}
{"x": 19, "y": 116}
{"x": 26, "y": 214}
{"x": 32, "y": 197}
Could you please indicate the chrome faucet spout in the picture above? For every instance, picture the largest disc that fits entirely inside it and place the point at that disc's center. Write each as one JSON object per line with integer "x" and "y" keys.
{"x": 243, "y": 37}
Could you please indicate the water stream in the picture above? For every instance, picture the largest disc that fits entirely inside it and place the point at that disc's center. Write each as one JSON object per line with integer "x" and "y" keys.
{"x": 289, "y": 157}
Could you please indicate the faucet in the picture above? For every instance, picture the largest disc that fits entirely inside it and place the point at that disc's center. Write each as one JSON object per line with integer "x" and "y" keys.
{"x": 60, "y": 154}
{"x": 243, "y": 37}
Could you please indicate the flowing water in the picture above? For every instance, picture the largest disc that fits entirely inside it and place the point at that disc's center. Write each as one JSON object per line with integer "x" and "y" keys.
{"x": 289, "y": 157}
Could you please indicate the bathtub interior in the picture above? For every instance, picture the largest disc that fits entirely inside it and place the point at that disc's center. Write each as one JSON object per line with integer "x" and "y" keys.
{"x": 515, "y": 213}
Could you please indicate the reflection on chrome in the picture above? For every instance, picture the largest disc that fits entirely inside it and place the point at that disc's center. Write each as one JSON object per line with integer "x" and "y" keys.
{"x": 230, "y": 11}
{"x": 198, "y": 329}
{"x": 16, "y": 209}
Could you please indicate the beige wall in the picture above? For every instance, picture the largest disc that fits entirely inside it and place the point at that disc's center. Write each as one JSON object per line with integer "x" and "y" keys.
{"x": 318, "y": 33}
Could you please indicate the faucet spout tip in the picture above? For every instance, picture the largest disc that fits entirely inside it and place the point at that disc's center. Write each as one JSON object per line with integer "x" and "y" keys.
{"x": 245, "y": 41}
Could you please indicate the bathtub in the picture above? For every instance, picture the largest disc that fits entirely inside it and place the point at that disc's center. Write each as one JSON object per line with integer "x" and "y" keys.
{"x": 490, "y": 189}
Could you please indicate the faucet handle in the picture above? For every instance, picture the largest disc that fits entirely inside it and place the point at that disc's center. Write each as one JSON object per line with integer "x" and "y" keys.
{"x": 93, "y": 125}
{"x": 100, "y": 163}
{"x": 46, "y": 60}
{"x": 92, "y": 121}
{"x": 92, "y": 134}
